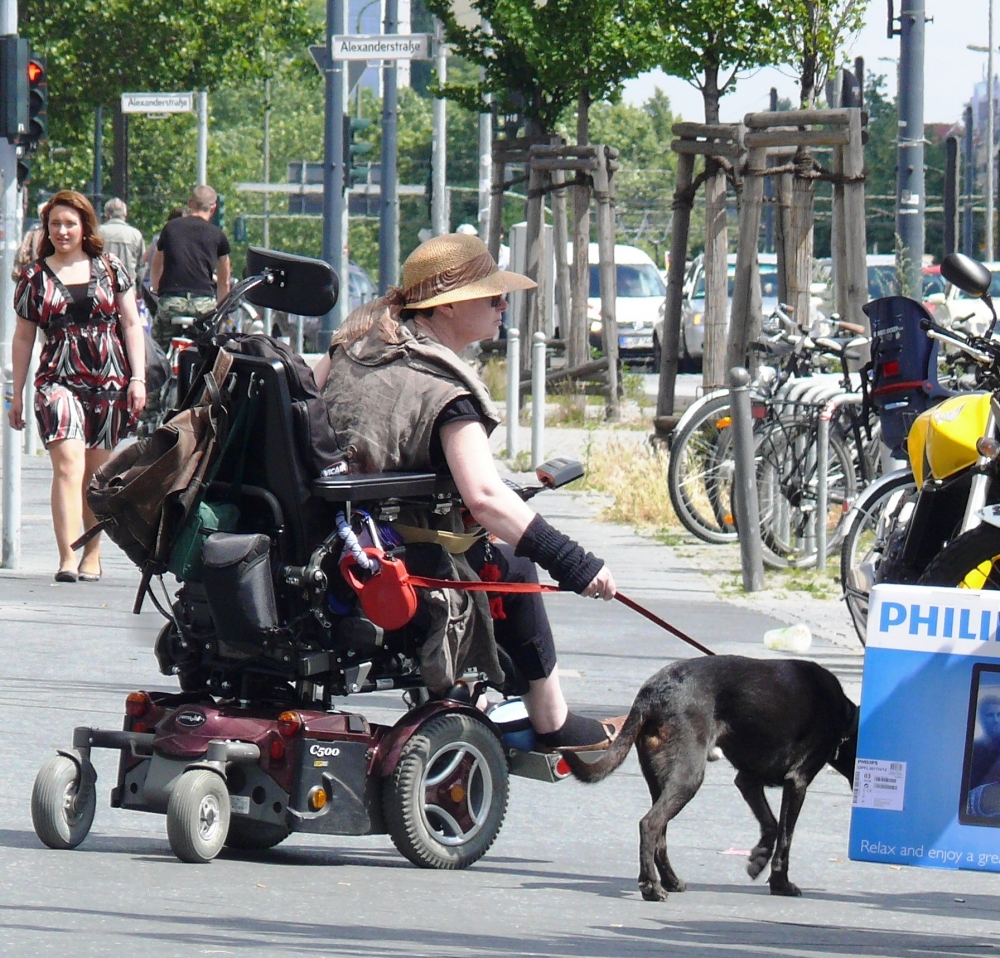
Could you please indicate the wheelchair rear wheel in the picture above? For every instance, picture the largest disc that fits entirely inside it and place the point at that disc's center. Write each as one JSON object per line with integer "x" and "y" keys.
{"x": 447, "y": 798}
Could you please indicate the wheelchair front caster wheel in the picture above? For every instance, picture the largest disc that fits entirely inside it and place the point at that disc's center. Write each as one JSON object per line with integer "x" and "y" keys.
{"x": 198, "y": 816}
{"x": 62, "y": 810}
{"x": 446, "y": 800}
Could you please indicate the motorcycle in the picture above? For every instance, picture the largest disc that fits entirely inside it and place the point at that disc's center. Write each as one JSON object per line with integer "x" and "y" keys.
{"x": 938, "y": 521}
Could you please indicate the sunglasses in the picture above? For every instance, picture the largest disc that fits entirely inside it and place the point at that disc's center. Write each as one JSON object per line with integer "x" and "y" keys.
{"x": 495, "y": 301}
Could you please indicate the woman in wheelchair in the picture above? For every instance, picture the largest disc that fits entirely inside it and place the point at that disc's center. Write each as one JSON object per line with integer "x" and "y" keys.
{"x": 401, "y": 398}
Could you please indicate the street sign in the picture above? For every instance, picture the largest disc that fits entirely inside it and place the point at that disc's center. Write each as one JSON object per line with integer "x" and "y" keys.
{"x": 388, "y": 46}
{"x": 320, "y": 56}
{"x": 157, "y": 103}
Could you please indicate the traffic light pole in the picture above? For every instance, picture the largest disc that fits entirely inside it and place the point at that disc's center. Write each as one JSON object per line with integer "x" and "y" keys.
{"x": 439, "y": 147}
{"x": 334, "y": 199}
{"x": 388, "y": 231}
{"x": 910, "y": 171}
{"x": 9, "y": 199}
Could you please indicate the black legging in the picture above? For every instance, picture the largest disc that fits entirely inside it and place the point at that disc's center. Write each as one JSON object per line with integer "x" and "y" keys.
{"x": 522, "y": 630}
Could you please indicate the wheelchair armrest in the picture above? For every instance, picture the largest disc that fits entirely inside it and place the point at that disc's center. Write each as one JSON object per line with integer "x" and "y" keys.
{"x": 381, "y": 485}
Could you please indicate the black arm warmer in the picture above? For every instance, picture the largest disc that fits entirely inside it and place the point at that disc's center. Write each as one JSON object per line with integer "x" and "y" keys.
{"x": 559, "y": 555}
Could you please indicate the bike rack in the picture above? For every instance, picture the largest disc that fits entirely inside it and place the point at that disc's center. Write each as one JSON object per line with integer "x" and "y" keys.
{"x": 822, "y": 466}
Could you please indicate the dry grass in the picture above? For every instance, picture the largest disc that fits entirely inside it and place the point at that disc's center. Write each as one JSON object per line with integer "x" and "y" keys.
{"x": 636, "y": 477}
{"x": 494, "y": 376}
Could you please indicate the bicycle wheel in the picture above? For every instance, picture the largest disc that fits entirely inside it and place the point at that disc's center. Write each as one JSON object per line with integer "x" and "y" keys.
{"x": 786, "y": 457}
{"x": 701, "y": 473}
{"x": 885, "y": 506}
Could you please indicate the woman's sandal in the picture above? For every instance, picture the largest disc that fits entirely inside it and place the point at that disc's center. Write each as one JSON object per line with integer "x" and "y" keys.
{"x": 612, "y": 727}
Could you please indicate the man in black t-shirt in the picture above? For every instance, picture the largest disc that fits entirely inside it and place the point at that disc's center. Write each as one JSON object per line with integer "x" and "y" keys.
{"x": 191, "y": 267}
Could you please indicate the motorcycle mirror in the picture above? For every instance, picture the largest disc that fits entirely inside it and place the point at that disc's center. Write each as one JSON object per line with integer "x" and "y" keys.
{"x": 967, "y": 274}
{"x": 303, "y": 286}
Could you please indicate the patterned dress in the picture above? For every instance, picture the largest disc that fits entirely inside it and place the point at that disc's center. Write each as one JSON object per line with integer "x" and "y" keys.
{"x": 83, "y": 372}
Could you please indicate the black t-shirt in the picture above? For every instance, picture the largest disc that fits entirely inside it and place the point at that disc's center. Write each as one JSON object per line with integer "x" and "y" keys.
{"x": 463, "y": 409}
{"x": 191, "y": 248}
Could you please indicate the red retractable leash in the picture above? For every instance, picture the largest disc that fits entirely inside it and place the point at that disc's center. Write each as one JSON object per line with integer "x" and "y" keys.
{"x": 389, "y": 596}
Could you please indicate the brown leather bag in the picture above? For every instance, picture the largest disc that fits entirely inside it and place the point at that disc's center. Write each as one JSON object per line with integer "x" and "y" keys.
{"x": 143, "y": 494}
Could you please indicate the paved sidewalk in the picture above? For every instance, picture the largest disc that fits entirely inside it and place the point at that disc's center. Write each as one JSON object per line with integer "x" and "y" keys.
{"x": 560, "y": 879}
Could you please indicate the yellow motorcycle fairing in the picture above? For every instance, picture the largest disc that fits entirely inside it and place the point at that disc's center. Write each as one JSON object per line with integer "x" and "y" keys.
{"x": 944, "y": 438}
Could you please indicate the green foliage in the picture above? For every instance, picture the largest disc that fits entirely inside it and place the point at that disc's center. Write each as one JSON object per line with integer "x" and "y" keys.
{"x": 98, "y": 49}
{"x": 538, "y": 55}
{"x": 703, "y": 38}
{"x": 814, "y": 36}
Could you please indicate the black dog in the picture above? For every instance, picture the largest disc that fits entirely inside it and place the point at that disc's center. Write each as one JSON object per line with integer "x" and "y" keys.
{"x": 778, "y": 723}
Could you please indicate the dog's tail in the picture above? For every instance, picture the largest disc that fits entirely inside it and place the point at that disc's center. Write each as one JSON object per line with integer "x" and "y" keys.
{"x": 615, "y": 754}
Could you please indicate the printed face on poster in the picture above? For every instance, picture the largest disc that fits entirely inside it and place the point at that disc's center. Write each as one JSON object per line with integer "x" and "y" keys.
{"x": 927, "y": 780}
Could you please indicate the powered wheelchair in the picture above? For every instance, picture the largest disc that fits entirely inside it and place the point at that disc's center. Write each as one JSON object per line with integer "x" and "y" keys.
{"x": 265, "y": 639}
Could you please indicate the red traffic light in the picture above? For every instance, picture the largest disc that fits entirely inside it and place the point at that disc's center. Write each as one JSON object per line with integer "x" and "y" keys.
{"x": 36, "y": 72}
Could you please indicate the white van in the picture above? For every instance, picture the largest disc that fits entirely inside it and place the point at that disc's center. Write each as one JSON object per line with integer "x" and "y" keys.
{"x": 641, "y": 293}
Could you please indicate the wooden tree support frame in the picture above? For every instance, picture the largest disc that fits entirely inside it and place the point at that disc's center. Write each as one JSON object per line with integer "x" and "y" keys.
{"x": 720, "y": 142}
{"x": 549, "y": 164}
{"x": 782, "y": 136}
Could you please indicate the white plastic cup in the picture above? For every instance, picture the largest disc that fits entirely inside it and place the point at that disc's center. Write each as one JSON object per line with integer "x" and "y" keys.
{"x": 794, "y": 638}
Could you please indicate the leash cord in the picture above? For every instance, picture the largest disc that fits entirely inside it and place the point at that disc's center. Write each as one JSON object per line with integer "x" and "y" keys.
{"x": 523, "y": 587}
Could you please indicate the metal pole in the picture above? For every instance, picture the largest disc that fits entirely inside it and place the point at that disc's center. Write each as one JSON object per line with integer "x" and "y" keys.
{"x": 439, "y": 148}
{"x": 951, "y": 195}
{"x": 202, "y": 173}
{"x": 537, "y": 399}
{"x": 98, "y": 158}
{"x": 333, "y": 160}
{"x": 989, "y": 141}
{"x": 485, "y": 173}
{"x": 513, "y": 388}
{"x": 267, "y": 195}
{"x": 968, "y": 224}
{"x": 769, "y": 188}
{"x": 11, "y": 504}
{"x": 822, "y": 472}
{"x": 267, "y": 167}
{"x": 745, "y": 479}
{"x": 388, "y": 227}
{"x": 910, "y": 170}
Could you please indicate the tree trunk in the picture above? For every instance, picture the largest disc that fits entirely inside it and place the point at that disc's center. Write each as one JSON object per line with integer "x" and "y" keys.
{"x": 560, "y": 240}
{"x": 803, "y": 191}
{"x": 716, "y": 250}
{"x": 800, "y": 272}
{"x": 578, "y": 345}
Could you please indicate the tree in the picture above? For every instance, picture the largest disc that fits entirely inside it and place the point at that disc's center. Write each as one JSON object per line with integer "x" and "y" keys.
{"x": 537, "y": 57}
{"x": 816, "y": 32}
{"x": 708, "y": 43}
{"x": 97, "y": 49}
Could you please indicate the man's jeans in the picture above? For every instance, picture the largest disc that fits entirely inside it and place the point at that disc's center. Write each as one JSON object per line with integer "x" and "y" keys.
{"x": 170, "y": 306}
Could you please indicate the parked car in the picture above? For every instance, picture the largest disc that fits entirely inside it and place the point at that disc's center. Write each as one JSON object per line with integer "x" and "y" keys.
{"x": 360, "y": 289}
{"x": 954, "y": 308}
{"x": 693, "y": 306}
{"x": 641, "y": 293}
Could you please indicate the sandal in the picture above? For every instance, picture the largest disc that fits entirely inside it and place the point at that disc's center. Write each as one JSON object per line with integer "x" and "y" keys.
{"x": 90, "y": 576}
{"x": 612, "y": 728}
{"x": 66, "y": 575}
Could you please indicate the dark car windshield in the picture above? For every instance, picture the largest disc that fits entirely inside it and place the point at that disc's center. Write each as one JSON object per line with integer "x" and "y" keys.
{"x": 633, "y": 281}
{"x": 768, "y": 283}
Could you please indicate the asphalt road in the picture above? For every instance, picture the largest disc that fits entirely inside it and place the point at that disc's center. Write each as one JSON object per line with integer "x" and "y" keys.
{"x": 559, "y": 881}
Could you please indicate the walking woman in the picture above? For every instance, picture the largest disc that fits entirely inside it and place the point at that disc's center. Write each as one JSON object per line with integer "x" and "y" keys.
{"x": 90, "y": 386}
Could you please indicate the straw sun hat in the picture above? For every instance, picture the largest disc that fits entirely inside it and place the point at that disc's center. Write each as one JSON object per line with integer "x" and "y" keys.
{"x": 454, "y": 268}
